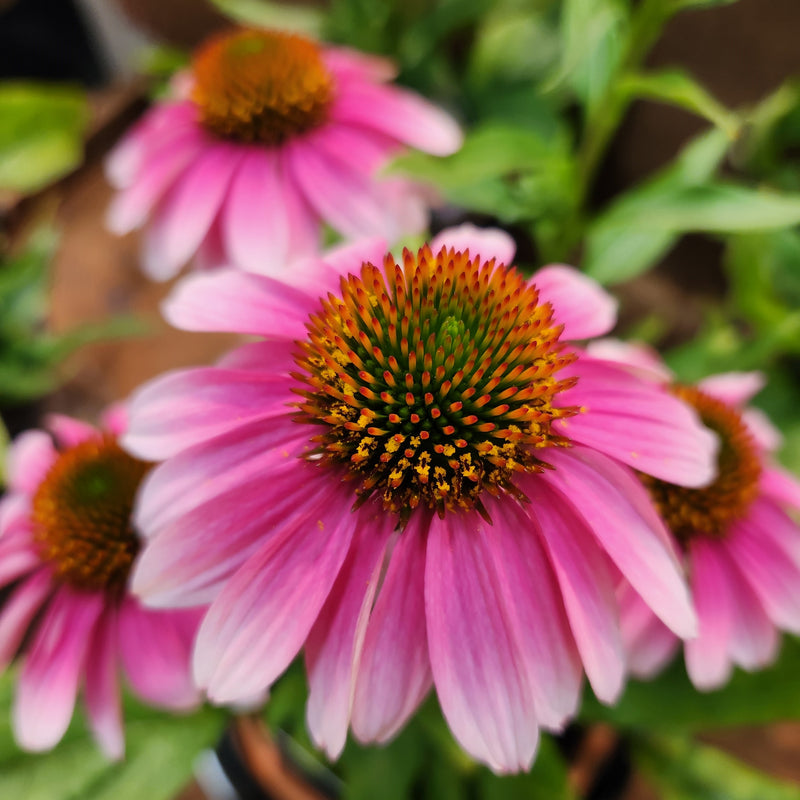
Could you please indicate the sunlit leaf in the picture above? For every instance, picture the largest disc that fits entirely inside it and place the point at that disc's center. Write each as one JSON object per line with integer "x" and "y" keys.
{"x": 267, "y": 14}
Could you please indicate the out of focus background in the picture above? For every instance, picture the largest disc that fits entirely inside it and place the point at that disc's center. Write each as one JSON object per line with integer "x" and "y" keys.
{"x": 654, "y": 144}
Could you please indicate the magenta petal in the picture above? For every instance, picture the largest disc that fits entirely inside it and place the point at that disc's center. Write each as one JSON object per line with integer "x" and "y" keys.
{"x": 101, "y": 692}
{"x": 186, "y": 407}
{"x": 766, "y": 435}
{"x": 400, "y": 114}
{"x": 238, "y": 302}
{"x": 48, "y": 681}
{"x": 254, "y": 222}
{"x": 394, "y": 674}
{"x": 734, "y": 388}
{"x": 487, "y": 243}
{"x": 580, "y": 304}
{"x": 618, "y": 511}
{"x": 69, "y": 432}
{"x": 347, "y": 64}
{"x": 482, "y": 685}
{"x": 638, "y": 423}
{"x": 649, "y": 644}
{"x": 261, "y": 619}
{"x": 305, "y": 229}
{"x": 155, "y": 649}
{"x": 781, "y": 486}
{"x": 643, "y": 359}
{"x": 18, "y": 612}
{"x": 772, "y": 523}
{"x": 334, "y": 645}
{"x": 183, "y": 218}
{"x": 29, "y": 458}
{"x": 586, "y": 587}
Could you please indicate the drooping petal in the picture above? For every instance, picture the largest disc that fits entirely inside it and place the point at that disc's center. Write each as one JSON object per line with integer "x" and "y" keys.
{"x": 102, "y": 695}
{"x": 708, "y": 656}
{"x": 334, "y": 645}
{"x": 155, "y": 650}
{"x": 233, "y": 301}
{"x": 279, "y": 593}
{"x": 400, "y": 114}
{"x": 29, "y": 458}
{"x": 643, "y": 359}
{"x": 638, "y": 423}
{"x": 482, "y": 685}
{"x": 49, "y": 677}
{"x": 586, "y": 587}
{"x": 186, "y": 407}
{"x": 394, "y": 674}
{"x": 618, "y": 511}
{"x": 487, "y": 243}
{"x": 580, "y": 304}
{"x": 18, "y": 612}
{"x": 254, "y": 222}
{"x": 734, "y": 388}
{"x": 187, "y": 211}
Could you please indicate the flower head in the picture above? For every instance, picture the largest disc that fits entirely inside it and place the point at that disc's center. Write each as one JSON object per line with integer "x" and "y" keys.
{"x": 741, "y": 549}
{"x": 269, "y": 137}
{"x": 67, "y": 546}
{"x": 401, "y": 479}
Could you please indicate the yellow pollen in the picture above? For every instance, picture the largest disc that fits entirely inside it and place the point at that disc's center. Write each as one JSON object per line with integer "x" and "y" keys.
{"x": 81, "y": 515}
{"x": 434, "y": 380}
{"x": 260, "y": 86}
{"x": 709, "y": 511}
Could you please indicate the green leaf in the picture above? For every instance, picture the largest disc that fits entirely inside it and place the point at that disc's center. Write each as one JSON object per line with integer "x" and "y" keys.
{"x": 160, "y": 751}
{"x": 41, "y": 134}
{"x": 678, "y": 88}
{"x": 682, "y": 5}
{"x": 617, "y": 251}
{"x": 683, "y": 769}
{"x": 671, "y": 701}
{"x": 264, "y": 14}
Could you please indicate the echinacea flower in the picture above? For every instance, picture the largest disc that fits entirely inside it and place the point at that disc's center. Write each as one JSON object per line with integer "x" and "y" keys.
{"x": 741, "y": 548}
{"x": 67, "y": 545}
{"x": 269, "y": 137}
{"x": 415, "y": 479}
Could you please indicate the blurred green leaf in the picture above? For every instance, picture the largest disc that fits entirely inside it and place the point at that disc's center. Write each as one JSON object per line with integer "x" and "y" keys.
{"x": 673, "y": 704}
{"x": 678, "y": 88}
{"x": 682, "y": 5}
{"x": 682, "y": 769}
{"x": 617, "y": 251}
{"x": 160, "y": 751}
{"x": 41, "y": 133}
{"x": 264, "y": 14}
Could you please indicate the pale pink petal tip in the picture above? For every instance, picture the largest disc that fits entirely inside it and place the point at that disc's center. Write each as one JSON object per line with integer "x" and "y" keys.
{"x": 579, "y": 303}
{"x": 67, "y": 431}
{"x": 487, "y": 243}
{"x": 29, "y": 457}
{"x": 642, "y": 358}
{"x": 735, "y": 388}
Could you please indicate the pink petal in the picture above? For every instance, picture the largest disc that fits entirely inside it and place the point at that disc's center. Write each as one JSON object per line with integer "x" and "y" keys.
{"x": 69, "y": 432}
{"x": 305, "y": 229}
{"x": 19, "y": 611}
{"x": 16, "y": 561}
{"x": 580, "y": 304}
{"x": 649, "y": 644}
{"x": 772, "y": 523}
{"x": 348, "y": 64}
{"x": 15, "y": 517}
{"x": 483, "y": 688}
{"x": 261, "y": 619}
{"x": 186, "y": 213}
{"x": 767, "y": 436}
{"x": 187, "y": 407}
{"x": 233, "y": 301}
{"x": 155, "y": 648}
{"x": 400, "y": 114}
{"x": 349, "y": 201}
{"x": 770, "y": 571}
{"x": 780, "y": 485}
{"x": 364, "y": 150}
{"x": 115, "y": 419}
{"x": 254, "y": 221}
{"x": 586, "y": 588}
{"x": 619, "y": 513}
{"x": 29, "y": 458}
{"x": 48, "y": 680}
{"x": 334, "y": 645}
{"x": 101, "y": 693}
{"x": 707, "y": 656}
{"x": 734, "y": 388}
{"x": 273, "y": 357}
{"x": 487, "y": 243}
{"x": 394, "y": 674}
{"x": 643, "y": 359}
{"x": 638, "y": 423}
{"x": 534, "y": 604}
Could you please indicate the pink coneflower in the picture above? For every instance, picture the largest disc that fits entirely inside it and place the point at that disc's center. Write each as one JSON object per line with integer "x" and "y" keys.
{"x": 741, "y": 549}
{"x": 66, "y": 548}
{"x": 414, "y": 478}
{"x": 271, "y": 137}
